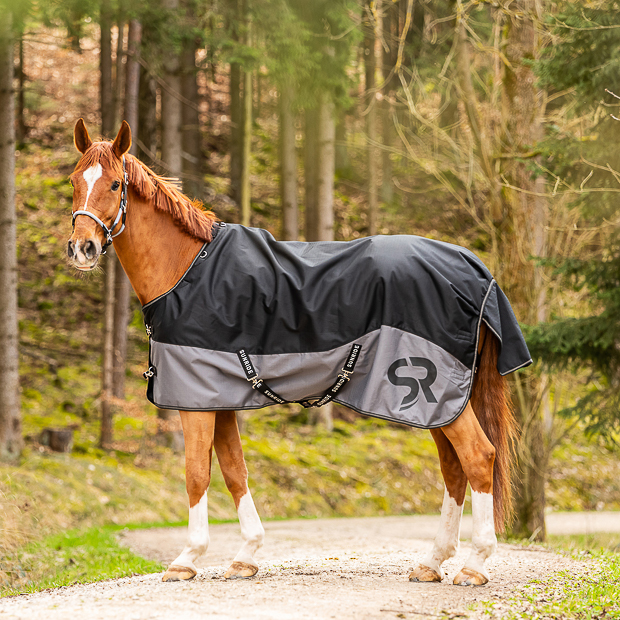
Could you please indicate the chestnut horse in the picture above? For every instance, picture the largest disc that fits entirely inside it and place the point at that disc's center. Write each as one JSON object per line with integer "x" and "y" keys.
{"x": 157, "y": 232}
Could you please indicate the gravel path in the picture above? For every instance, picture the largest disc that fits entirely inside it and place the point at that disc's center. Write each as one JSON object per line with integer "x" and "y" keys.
{"x": 309, "y": 569}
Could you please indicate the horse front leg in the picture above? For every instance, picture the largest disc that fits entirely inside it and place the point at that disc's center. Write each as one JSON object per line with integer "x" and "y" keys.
{"x": 230, "y": 456}
{"x": 446, "y": 542}
{"x": 198, "y": 431}
{"x": 477, "y": 455}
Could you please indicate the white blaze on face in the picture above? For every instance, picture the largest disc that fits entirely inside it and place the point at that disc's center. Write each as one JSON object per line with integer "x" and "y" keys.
{"x": 252, "y": 530}
{"x": 197, "y": 534}
{"x": 447, "y": 540}
{"x": 91, "y": 176}
{"x": 484, "y": 541}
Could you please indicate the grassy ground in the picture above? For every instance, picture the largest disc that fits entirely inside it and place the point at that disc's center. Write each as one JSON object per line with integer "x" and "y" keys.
{"x": 589, "y": 594}
{"x": 74, "y": 557}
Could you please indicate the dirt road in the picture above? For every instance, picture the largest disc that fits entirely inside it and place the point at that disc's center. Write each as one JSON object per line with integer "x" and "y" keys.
{"x": 309, "y": 569}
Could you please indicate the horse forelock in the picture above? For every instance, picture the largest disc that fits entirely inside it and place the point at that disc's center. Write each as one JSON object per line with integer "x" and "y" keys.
{"x": 162, "y": 192}
{"x": 100, "y": 153}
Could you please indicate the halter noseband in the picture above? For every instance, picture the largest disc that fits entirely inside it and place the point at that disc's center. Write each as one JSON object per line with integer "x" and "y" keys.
{"x": 121, "y": 215}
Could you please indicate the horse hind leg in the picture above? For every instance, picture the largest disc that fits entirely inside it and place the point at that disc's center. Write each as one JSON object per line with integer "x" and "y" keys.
{"x": 477, "y": 455}
{"x": 446, "y": 542}
{"x": 230, "y": 456}
{"x": 198, "y": 430}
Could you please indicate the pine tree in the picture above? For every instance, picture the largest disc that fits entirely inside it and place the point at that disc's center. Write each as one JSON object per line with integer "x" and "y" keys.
{"x": 590, "y": 342}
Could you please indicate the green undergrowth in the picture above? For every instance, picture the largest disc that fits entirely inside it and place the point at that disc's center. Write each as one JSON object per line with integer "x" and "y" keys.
{"x": 588, "y": 591}
{"x": 584, "y": 545}
{"x": 74, "y": 557}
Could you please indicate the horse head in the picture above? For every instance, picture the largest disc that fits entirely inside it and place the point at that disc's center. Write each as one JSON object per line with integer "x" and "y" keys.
{"x": 99, "y": 195}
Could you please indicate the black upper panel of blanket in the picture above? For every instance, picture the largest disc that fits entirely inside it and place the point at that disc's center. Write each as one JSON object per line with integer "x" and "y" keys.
{"x": 270, "y": 297}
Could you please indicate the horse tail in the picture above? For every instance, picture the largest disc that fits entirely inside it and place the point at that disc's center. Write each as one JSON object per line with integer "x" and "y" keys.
{"x": 490, "y": 401}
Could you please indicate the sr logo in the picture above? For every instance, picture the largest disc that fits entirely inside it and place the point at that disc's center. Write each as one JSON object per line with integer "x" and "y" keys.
{"x": 412, "y": 383}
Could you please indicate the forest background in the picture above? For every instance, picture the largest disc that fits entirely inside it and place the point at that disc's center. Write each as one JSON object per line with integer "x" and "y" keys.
{"x": 486, "y": 124}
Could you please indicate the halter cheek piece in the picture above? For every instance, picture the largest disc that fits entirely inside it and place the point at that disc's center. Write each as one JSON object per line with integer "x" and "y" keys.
{"x": 121, "y": 215}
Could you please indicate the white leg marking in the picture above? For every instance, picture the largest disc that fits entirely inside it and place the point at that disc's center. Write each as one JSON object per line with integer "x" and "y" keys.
{"x": 252, "y": 530}
{"x": 91, "y": 176}
{"x": 447, "y": 540}
{"x": 483, "y": 541}
{"x": 197, "y": 534}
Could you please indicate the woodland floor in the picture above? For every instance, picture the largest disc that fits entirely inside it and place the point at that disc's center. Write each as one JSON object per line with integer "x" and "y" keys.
{"x": 323, "y": 568}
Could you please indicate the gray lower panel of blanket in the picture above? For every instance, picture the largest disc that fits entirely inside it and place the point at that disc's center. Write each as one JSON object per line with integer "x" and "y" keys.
{"x": 431, "y": 386}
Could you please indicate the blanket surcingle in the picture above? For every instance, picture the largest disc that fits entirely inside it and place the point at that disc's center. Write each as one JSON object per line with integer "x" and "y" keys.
{"x": 256, "y": 321}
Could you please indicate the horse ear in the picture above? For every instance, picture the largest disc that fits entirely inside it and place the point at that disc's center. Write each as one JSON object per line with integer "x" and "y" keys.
{"x": 80, "y": 137}
{"x": 122, "y": 142}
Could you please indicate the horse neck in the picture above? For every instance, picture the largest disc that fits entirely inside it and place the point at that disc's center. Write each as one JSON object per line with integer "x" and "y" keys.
{"x": 153, "y": 250}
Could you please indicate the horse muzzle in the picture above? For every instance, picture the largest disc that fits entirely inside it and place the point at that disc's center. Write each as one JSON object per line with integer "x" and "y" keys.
{"x": 83, "y": 253}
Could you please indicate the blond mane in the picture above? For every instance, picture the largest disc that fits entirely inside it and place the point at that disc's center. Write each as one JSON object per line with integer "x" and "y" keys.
{"x": 162, "y": 192}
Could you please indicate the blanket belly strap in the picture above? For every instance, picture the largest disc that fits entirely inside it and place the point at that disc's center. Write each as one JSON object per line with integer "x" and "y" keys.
{"x": 259, "y": 384}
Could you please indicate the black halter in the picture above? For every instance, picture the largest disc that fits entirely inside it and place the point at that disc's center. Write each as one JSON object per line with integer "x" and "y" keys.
{"x": 121, "y": 215}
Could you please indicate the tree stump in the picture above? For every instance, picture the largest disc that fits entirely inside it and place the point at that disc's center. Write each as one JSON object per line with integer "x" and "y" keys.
{"x": 57, "y": 439}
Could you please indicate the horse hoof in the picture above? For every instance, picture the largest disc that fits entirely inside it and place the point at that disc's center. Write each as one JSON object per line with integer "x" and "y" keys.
{"x": 424, "y": 573}
{"x": 241, "y": 570}
{"x": 470, "y": 577}
{"x": 179, "y": 573}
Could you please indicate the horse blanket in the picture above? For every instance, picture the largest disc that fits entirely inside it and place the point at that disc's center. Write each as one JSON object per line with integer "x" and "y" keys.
{"x": 401, "y": 314}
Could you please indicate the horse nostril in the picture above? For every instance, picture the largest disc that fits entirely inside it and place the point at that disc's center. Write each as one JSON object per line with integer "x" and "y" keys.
{"x": 90, "y": 250}
{"x": 70, "y": 251}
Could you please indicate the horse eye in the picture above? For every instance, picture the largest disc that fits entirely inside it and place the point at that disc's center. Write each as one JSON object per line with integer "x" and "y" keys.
{"x": 115, "y": 185}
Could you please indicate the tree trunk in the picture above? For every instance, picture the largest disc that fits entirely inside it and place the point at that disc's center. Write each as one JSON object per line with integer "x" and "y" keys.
{"x": 325, "y": 169}
{"x": 389, "y": 57}
{"x": 236, "y": 122}
{"x": 518, "y": 220}
{"x": 256, "y": 108}
{"x": 342, "y": 154}
{"x": 523, "y": 230}
{"x": 169, "y": 427}
{"x": 522, "y": 120}
{"x": 10, "y": 414}
{"x": 106, "y": 92}
{"x": 370, "y": 66}
{"x": 387, "y": 125}
{"x": 193, "y": 184}
{"x": 132, "y": 79}
{"x": 319, "y": 169}
{"x": 107, "y": 128}
{"x": 246, "y": 127}
{"x": 288, "y": 165}
{"x": 109, "y": 293}
{"x": 171, "y": 108}
{"x": 22, "y": 130}
{"x": 310, "y": 172}
{"x": 147, "y": 114}
{"x": 118, "y": 77}
{"x": 325, "y": 157}
{"x": 122, "y": 285}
